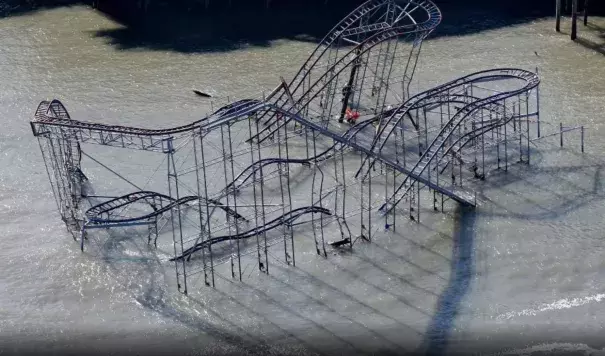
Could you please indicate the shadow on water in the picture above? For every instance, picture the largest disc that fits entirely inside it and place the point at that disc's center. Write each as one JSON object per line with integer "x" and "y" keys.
{"x": 599, "y": 46}
{"x": 187, "y": 27}
{"x": 152, "y": 295}
{"x": 462, "y": 270}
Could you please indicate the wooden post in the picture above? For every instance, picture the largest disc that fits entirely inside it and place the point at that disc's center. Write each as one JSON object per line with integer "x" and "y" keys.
{"x": 585, "y": 12}
{"x": 574, "y": 19}
{"x": 558, "y": 14}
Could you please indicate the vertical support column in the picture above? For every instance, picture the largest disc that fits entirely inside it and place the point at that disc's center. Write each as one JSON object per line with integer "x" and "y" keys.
{"x": 208, "y": 227}
{"x": 418, "y": 202}
{"x": 336, "y": 189}
{"x": 420, "y": 148}
{"x": 538, "y": 105}
{"x": 411, "y": 199}
{"x": 483, "y": 146}
{"x": 254, "y": 182}
{"x": 281, "y": 173}
{"x": 506, "y": 138}
{"x": 396, "y": 132}
{"x": 585, "y": 12}
{"x": 289, "y": 258}
{"x": 528, "y": 141}
{"x": 520, "y": 129}
{"x": 369, "y": 228}
{"x": 412, "y": 196}
{"x": 228, "y": 216}
{"x": 459, "y": 155}
{"x": 426, "y": 141}
{"x": 386, "y": 197}
{"x": 403, "y": 152}
{"x": 177, "y": 237}
{"x": 394, "y": 189}
{"x": 527, "y": 121}
{"x": 574, "y": 19}
{"x": 361, "y": 184}
{"x": 558, "y": 16}
{"x": 263, "y": 267}
{"x": 199, "y": 202}
{"x": 235, "y": 219}
{"x": 313, "y": 222}
{"x": 497, "y": 138}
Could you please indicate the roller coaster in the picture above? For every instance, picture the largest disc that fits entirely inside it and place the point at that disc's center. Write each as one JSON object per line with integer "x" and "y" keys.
{"x": 251, "y": 178}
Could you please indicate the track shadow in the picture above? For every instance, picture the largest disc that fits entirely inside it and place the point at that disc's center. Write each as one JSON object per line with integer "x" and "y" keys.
{"x": 462, "y": 270}
{"x": 150, "y": 292}
{"x": 560, "y": 203}
{"x": 597, "y": 47}
{"x": 599, "y": 31}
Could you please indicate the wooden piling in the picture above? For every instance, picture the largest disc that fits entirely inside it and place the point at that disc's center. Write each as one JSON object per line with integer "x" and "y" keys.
{"x": 558, "y": 14}
{"x": 574, "y": 19}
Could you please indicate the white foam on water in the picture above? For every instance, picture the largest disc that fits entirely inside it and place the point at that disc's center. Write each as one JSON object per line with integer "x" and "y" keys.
{"x": 556, "y": 347}
{"x": 565, "y": 303}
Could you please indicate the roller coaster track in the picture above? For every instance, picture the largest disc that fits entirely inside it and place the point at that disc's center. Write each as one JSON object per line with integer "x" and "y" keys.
{"x": 241, "y": 109}
{"x": 491, "y": 103}
{"x": 100, "y": 214}
{"x": 436, "y": 94}
{"x": 343, "y": 28}
{"x": 153, "y": 139}
{"x": 367, "y": 39}
{"x": 286, "y": 219}
{"x": 352, "y": 56}
{"x": 128, "y": 137}
{"x": 325, "y": 155}
{"x": 443, "y": 94}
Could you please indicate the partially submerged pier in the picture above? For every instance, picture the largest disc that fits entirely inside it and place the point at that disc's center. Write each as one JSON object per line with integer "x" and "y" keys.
{"x": 244, "y": 184}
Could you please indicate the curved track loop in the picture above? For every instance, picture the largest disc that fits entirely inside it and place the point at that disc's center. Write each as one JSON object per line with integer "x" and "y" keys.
{"x": 249, "y": 171}
{"x": 315, "y": 89}
{"x": 243, "y": 109}
{"x": 378, "y": 35}
{"x": 101, "y": 214}
{"x": 65, "y": 149}
{"x": 438, "y": 148}
{"x": 43, "y": 117}
{"x": 376, "y": 30}
{"x": 367, "y": 39}
{"x": 286, "y": 219}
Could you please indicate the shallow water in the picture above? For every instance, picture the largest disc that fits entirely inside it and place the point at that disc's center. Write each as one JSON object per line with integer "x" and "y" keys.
{"x": 530, "y": 273}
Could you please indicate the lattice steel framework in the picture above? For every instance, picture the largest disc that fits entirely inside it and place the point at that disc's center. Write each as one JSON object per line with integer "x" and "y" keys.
{"x": 246, "y": 182}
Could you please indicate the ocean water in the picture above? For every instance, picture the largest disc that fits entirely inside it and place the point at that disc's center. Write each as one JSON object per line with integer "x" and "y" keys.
{"x": 529, "y": 277}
